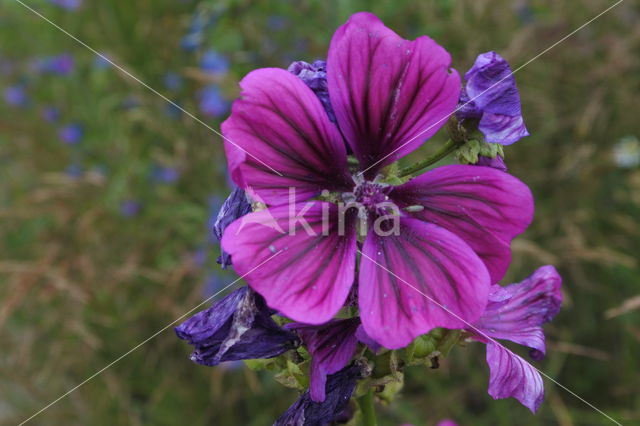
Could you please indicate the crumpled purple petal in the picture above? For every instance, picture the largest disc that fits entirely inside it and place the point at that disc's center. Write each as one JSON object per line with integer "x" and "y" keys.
{"x": 306, "y": 412}
{"x": 236, "y": 328}
{"x": 331, "y": 346}
{"x": 516, "y": 312}
{"x": 314, "y": 75}
{"x": 497, "y": 162}
{"x": 510, "y": 375}
{"x": 234, "y": 207}
{"x": 491, "y": 96}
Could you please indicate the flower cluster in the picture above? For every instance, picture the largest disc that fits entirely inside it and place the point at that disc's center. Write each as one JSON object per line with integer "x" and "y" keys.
{"x": 357, "y": 268}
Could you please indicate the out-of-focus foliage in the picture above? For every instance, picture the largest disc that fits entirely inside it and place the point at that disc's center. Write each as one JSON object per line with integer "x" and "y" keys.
{"x": 106, "y": 240}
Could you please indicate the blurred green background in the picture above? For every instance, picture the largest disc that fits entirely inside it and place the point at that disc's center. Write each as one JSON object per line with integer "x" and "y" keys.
{"x": 107, "y": 192}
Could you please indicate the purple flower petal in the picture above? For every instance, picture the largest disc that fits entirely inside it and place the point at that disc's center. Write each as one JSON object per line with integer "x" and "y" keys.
{"x": 497, "y": 162}
{"x": 491, "y": 95}
{"x": 364, "y": 338}
{"x": 280, "y": 122}
{"x": 483, "y": 206}
{"x": 388, "y": 93}
{"x": 516, "y": 312}
{"x": 510, "y": 375}
{"x": 306, "y": 412}
{"x": 426, "y": 262}
{"x": 234, "y": 207}
{"x": 236, "y": 328}
{"x": 306, "y": 277}
{"x": 331, "y": 346}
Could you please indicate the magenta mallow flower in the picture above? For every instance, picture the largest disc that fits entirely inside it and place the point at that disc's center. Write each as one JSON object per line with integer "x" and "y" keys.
{"x": 331, "y": 345}
{"x": 516, "y": 312}
{"x": 454, "y": 223}
{"x": 236, "y": 328}
{"x": 306, "y": 412}
{"x": 491, "y": 98}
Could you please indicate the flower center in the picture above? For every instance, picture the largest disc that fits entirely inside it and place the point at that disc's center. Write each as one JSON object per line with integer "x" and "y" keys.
{"x": 372, "y": 197}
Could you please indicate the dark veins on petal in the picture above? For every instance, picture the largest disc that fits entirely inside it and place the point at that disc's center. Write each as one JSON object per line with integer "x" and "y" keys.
{"x": 234, "y": 207}
{"x": 314, "y": 76}
{"x": 305, "y": 412}
{"x": 236, "y": 328}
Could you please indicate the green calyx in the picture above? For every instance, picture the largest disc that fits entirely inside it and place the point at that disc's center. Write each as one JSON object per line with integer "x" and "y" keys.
{"x": 473, "y": 148}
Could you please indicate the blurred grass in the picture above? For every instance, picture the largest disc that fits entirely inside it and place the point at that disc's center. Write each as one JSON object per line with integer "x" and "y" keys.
{"x": 81, "y": 283}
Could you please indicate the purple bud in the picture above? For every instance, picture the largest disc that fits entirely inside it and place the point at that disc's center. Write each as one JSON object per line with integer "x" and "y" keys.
{"x": 50, "y": 114}
{"x": 236, "y": 328}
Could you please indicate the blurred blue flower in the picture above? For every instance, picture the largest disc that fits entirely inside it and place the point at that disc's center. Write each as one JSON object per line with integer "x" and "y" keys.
{"x": 16, "y": 95}
{"x": 277, "y": 22}
{"x": 130, "y": 102}
{"x": 212, "y": 103}
{"x": 74, "y": 170}
{"x": 162, "y": 174}
{"x": 213, "y": 283}
{"x": 200, "y": 21}
{"x": 130, "y": 207}
{"x": 172, "y": 110}
{"x": 102, "y": 62}
{"x": 173, "y": 81}
{"x": 50, "y": 114}
{"x": 215, "y": 203}
{"x": 214, "y": 63}
{"x": 60, "y": 64}
{"x": 71, "y": 134}
{"x": 67, "y": 4}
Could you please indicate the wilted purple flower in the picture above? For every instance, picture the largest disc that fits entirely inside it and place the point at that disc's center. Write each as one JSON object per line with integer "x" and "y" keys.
{"x": 214, "y": 63}
{"x": 162, "y": 174}
{"x": 71, "y": 134}
{"x": 306, "y": 412}
{"x": 67, "y": 4}
{"x": 516, "y": 313}
{"x": 236, "y": 328}
{"x": 60, "y": 65}
{"x": 212, "y": 103}
{"x": 451, "y": 248}
{"x": 130, "y": 207}
{"x": 172, "y": 81}
{"x": 315, "y": 76}
{"x": 491, "y": 96}
{"x": 331, "y": 345}
{"x": 16, "y": 96}
{"x": 50, "y": 114}
{"x": 497, "y": 162}
{"x": 234, "y": 207}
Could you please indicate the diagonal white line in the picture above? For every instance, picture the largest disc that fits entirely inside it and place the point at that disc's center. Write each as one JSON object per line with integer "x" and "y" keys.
{"x": 494, "y": 85}
{"x": 474, "y": 328}
{"x": 97, "y": 373}
{"x": 151, "y": 89}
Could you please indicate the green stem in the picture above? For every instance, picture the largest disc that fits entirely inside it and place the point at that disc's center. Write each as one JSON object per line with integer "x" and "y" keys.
{"x": 444, "y": 150}
{"x": 368, "y": 409}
